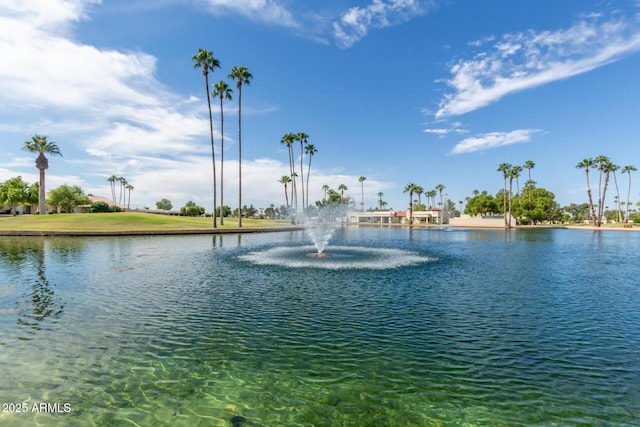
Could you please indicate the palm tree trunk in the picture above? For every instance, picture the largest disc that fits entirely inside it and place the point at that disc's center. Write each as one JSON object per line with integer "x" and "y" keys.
{"x": 302, "y": 173}
{"x": 593, "y": 211}
{"x": 42, "y": 195}
{"x": 286, "y": 195}
{"x": 221, "y": 164}
{"x": 308, "y": 173}
{"x": 626, "y": 214}
{"x": 604, "y": 192}
{"x": 213, "y": 154}
{"x": 240, "y": 156}
{"x": 600, "y": 201}
{"x": 615, "y": 180}
{"x": 504, "y": 200}
{"x": 510, "y": 189}
{"x": 410, "y": 207}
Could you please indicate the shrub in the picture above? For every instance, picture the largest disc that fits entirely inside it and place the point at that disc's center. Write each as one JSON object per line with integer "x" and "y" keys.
{"x": 100, "y": 207}
{"x": 104, "y": 207}
{"x": 191, "y": 209}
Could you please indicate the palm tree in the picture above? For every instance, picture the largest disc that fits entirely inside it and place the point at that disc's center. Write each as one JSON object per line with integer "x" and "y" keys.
{"x": 529, "y": 164}
{"x": 380, "y": 194}
{"x": 325, "y": 188}
{"x": 129, "y": 187}
{"x": 361, "y": 180}
{"x": 440, "y": 188}
{"x": 123, "y": 183}
{"x": 602, "y": 162}
{"x": 410, "y": 188}
{"x": 516, "y": 171}
{"x": 302, "y": 137}
{"x": 311, "y": 151}
{"x": 204, "y": 58}
{"x": 288, "y": 140}
{"x": 342, "y": 189}
{"x": 613, "y": 168}
{"x": 628, "y": 169}
{"x": 419, "y": 190}
{"x": 504, "y": 168}
{"x": 242, "y": 76}
{"x": 112, "y": 181}
{"x": 41, "y": 145}
{"x": 222, "y": 91}
{"x": 431, "y": 197}
{"x": 588, "y": 164}
{"x": 285, "y": 180}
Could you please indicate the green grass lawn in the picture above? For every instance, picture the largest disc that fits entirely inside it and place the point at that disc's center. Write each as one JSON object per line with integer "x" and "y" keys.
{"x": 125, "y": 221}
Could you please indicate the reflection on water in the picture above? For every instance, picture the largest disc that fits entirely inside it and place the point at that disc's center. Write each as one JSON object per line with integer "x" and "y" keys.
{"x": 415, "y": 328}
{"x": 38, "y": 305}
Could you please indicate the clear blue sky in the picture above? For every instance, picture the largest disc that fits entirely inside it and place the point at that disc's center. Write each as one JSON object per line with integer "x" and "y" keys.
{"x": 397, "y": 91}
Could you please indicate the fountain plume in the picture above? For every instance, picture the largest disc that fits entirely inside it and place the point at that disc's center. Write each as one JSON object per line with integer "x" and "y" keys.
{"x": 322, "y": 222}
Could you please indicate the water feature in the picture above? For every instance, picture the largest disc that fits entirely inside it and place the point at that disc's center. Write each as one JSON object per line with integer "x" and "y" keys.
{"x": 321, "y": 223}
{"x": 398, "y": 327}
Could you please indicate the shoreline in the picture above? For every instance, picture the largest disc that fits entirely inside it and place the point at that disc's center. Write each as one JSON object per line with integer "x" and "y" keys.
{"x": 607, "y": 227}
{"x": 97, "y": 233}
{"x": 215, "y": 231}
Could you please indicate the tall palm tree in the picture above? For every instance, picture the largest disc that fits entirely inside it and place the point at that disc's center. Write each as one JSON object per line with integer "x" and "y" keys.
{"x": 361, "y": 180}
{"x": 41, "y": 145}
{"x": 204, "y": 58}
{"x": 325, "y": 188}
{"x": 302, "y": 137}
{"x": 123, "y": 183}
{"x": 440, "y": 188}
{"x": 588, "y": 164}
{"x": 613, "y": 168}
{"x": 112, "y": 181}
{"x": 628, "y": 169}
{"x": 288, "y": 139}
{"x": 242, "y": 76}
{"x": 342, "y": 189}
{"x": 529, "y": 164}
{"x": 222, "y": 91}
{"x": 419, "y": 190}
{"x": 311, "y": 151}
{"x": 516, "y": 171}
{"x": 608, "y": 167}
{"x": 285, "y": 180}
{"x": 431, "y": 198}
{"x": 410, "y": 188}
{"x": 129, "y": 187}
{"x": 504, "y": 168}
{"x": 602, "y": 161}
{"x": 380, "y": 194}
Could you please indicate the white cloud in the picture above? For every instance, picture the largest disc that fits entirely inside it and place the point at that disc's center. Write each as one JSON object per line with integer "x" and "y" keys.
{"x": 493, "y": 140}
{"x": 522, "y": 61}
{"x": 354, "y": 24}
{"x": 268, "y": 11}
{"x": 444, "y": 131}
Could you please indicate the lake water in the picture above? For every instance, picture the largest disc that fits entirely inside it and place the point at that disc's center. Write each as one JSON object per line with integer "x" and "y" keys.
{"x": 397, "y": 328}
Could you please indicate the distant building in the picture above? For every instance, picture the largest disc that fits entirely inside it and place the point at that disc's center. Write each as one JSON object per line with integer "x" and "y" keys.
{"x": 431, "y": 216}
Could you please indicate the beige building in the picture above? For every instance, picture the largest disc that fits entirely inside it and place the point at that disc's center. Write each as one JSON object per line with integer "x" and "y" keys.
{"x": 432, "y": 216}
